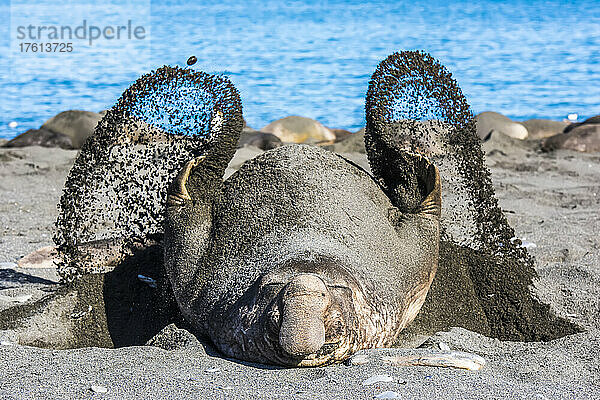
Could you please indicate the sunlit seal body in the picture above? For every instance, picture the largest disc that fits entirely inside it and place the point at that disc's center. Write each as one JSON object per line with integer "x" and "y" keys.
{"x": 300, "y": 258}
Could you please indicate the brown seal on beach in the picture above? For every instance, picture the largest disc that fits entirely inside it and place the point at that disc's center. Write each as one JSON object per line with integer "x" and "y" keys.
{"x": 41, "y": 137}
{"x": 583, "y": 137}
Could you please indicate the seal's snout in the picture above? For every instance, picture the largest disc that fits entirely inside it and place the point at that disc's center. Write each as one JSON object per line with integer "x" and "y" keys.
{"x": 304, "y": 301}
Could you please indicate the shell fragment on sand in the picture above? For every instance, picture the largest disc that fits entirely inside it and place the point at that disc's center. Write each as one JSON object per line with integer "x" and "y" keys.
{"x": 524, "y": 243}
{"x": 388, "y": 395}
{"x": 99, "y": 389}
{"x": 419, "y": 357}
{"x": 44, "y": 257}
{"x": 358, "y": 359}
{"x": 454, "y": 359}
{"x": 377, "y": 379}
{"x": 15, "y": 299}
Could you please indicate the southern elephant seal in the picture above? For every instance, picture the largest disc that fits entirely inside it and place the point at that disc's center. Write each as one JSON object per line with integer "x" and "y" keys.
{"x": 301, "y": 256}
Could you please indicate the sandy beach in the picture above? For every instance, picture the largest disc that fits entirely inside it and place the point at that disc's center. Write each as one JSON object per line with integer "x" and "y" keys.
{"x": 306, "y": 200}
{"x": 551, "y": 199}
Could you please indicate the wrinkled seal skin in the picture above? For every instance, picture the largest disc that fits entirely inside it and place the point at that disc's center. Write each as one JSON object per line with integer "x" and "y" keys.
{"x": 300, "y": 258}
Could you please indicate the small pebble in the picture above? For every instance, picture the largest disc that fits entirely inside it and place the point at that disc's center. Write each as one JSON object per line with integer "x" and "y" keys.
{"x": 99, "y": 389}
{"x": 7, "y": 343}
{"x": 192, "y": 60}
{"x": 217, "y": 369}
{"x": 387, "y": 395}
{"x": 376, "y": 379}
{"x": 443, "y": 346}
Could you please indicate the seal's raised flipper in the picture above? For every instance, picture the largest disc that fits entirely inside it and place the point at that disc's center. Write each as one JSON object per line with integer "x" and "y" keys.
{"x": 117, "y": 187}
{"x": 397, "y": 147}
{"x": 413, "y": 106}
{"x": 188, "y": 224}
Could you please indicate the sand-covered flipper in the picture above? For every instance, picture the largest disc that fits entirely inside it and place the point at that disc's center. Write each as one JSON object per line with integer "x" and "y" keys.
{"x": 112, "y": 210}
{"x": 414, "y": 105}
{"x": 483, "y": 282}
{"x": 188, "y": 224}
{"x": 117, "y": 188}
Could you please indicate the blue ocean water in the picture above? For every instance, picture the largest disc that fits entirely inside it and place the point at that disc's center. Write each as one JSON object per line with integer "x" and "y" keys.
{"x": 525, "y": 59}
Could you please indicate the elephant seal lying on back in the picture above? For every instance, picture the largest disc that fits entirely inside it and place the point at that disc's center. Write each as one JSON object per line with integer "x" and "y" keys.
{"x": 300, "y": 258}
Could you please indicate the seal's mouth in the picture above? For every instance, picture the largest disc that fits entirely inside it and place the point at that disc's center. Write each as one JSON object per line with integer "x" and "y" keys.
{"x": 329, "y": 353}
{"x": 328, "y": 348}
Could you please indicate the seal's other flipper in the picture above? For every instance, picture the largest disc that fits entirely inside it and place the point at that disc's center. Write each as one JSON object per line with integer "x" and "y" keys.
{"x": 117, "y": 187}
{"x": 414, "y": 105}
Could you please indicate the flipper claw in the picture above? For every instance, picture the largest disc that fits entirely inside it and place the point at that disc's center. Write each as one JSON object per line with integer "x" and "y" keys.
{"x": 179, "y": 194}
